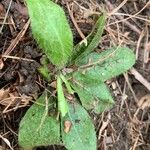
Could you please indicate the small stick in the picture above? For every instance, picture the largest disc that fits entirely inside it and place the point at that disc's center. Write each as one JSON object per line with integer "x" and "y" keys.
{"x": 6, "y": 141}
{"x": 138, "y": 44}
{"x": 120, "y": 6}
{"x": 18, "y": 58}
{"x": 17, "y": 39}
{"x": 130, "y": 87}
{"x": 140, "y": 78}
{"x": 134, "y": 28}
{"x": 146, "y": 47}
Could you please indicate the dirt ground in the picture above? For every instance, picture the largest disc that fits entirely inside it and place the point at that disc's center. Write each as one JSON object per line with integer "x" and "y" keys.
{"x": 127, "y": 125}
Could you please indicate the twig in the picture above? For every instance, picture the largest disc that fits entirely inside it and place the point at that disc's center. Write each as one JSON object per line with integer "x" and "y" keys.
{"x": 104, "y": 125}
{"x": 138, "y": 43}
{"x": 146, "y": 47}
{"x": 17, "y": 39}
{"x": 6, "y": 141}
{"x": 134, "y": 28}
{"x": 130, "y": 16}
{"x": 130, "y": 87}
{"x": 18, "y": 58}
{"x": 140, "y": 78}
{"x": 116, "y": 9}
{"x": 76, "y": 25}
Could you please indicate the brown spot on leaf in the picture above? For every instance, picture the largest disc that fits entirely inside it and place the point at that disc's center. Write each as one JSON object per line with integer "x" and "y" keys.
{"x": 67, "y": 126}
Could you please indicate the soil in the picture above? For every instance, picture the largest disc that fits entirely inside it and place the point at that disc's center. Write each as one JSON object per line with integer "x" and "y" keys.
{"x": 127, "y": 125}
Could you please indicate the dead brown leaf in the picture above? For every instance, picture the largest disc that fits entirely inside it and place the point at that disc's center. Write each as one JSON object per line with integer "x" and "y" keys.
{"x": 144, "y": 102}
{"x": 53, "y": 84}
{"x": 4, "y": 94}
{"x": 12, "y": 98}
{"x": 6, "y": 97}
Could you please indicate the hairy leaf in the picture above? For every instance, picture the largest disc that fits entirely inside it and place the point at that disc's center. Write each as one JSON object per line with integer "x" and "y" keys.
{"x": 69, "y": 89}
{"x": 80, "y": 133}
{"x": 62, "y": 103}
{"x": 51, "y": 30}
{"x": 95, "y": 97}
{"x": 31, "y": 134}
{"x": 106, "y": 65}
{"x": 45, "y": 72}
{"x": 93, "y": 40}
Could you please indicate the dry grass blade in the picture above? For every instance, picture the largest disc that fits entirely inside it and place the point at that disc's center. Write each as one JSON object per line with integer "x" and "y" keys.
{"x": 6, "y": 141}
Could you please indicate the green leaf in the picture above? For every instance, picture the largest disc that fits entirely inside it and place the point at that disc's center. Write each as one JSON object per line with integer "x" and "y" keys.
{"x": 81, "y": 134}
{"x": 32, "y": 133}
{"x": 93, "y": 40}
{"x": 51, "y": 30}
{"x": 106, "y": 65}
{"x": 62, "y": 103}
{"x": 45, "y": 72}
{"x": 43, "y": 69}
{"x": 70, "y": 90}
{"x": 94, "y": 97}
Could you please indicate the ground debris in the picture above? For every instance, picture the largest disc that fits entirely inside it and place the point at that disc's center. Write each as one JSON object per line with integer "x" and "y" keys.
{"x": 127, "y": 125}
